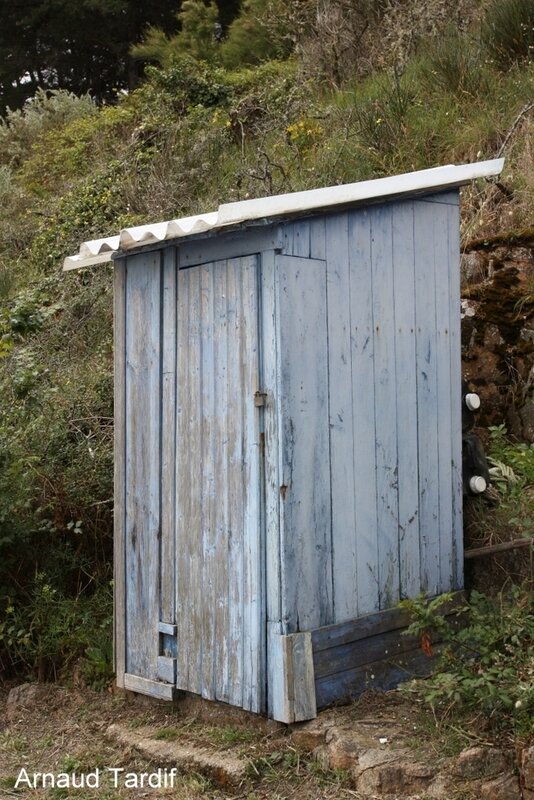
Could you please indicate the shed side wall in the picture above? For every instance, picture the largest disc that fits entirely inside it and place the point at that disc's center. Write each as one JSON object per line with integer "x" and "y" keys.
{"x": 388, "y": 431}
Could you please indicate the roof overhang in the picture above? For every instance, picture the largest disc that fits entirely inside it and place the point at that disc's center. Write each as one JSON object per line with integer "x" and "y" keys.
{"x": 98, "y": 251}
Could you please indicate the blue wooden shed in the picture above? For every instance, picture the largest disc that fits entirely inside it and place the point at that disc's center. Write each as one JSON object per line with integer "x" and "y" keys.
{"x": 288, "y": 439}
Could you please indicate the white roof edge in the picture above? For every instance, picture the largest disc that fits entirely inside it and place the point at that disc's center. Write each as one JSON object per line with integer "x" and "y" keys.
{"x": 99, "y": 251}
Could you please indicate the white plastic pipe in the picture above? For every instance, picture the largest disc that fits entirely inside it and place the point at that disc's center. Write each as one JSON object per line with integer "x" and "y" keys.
{"x": 472, "y": 401}
{"x": 477, "y": 484}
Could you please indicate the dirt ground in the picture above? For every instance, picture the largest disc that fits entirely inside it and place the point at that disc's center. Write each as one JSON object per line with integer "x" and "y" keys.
{"x": 65, "y": 731}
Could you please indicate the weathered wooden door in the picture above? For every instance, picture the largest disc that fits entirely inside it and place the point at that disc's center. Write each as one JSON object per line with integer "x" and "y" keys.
{"x": 219, "y": 577}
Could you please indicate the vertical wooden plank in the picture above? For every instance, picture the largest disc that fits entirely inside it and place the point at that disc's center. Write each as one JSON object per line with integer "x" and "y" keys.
{"x": 457, "y": 554}
{"x": 119, "y": 510}
{"x": 297, "y": 238}
{"x": 443, "y": 393}
{"x": 224, "y": 638}
{"x": 318, "y": 238}
{"x": 387, "y": 505}
{"x": 143, "y": 398}
{"x": 168, "y": 437}
{"x": 344, "y": 547}
{"x": 271, "y": 385}
{"x": 425, "y": 315}
{"x": 208, "y": 501}
{"x": 304, "y": 706}
{"x": 253, "y": 544}
{"x": 406, "y": 385}
{"x": 189, "y": 587}
{"x": 363, "y": 423}
{"x": 305, "y": 487}
{"x": 293, "y": 686}
{"x": 234, "y": 475}
{"x": 271, "y": 381}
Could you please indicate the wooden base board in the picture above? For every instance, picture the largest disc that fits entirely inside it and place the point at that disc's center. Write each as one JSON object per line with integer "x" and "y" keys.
{"x": 368, "y": 653}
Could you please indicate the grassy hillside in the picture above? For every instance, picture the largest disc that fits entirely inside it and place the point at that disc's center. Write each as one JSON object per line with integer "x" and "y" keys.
{"x": 315, "y": 111}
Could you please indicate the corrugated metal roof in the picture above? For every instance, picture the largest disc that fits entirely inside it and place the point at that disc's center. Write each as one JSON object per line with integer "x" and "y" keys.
{"x": 98, "y": 251}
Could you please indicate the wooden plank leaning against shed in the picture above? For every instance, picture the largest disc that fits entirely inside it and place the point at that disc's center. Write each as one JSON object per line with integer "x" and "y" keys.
{"x": 119, "y": 550}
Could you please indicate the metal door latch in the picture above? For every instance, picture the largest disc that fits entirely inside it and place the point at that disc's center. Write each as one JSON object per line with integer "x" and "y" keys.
{"x": 260, "y": 398}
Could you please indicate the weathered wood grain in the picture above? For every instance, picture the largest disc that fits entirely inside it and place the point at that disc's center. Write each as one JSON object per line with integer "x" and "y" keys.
{"x": 253, "y": 636}
{"x": 168, "y": 437}
{"x": 385, "y": 371}
{"x": 363, "y": 651}
{"x": 425, "y": 299}
{"x": 119, "y": 510}
{"x": 406, "y": 397}
{"x": 345, "y": 687}
{"x": 270, "y": 357}
{"x": 143, "y": 425}
{"x": 341, "y": 407}
{"x": 363, "y": 411}
{"x": 292, "y": 684}
{"x": 305, "y": 487}
{"x": 221, "y": 651}
{"x": 222, "y": 246}
{"x": 297, "y": 238}
{"x": 453, "y": 248}
{"x": 443, "y": 395}
{"x": 189, "y": 588}
{"x": 163, "y": 691}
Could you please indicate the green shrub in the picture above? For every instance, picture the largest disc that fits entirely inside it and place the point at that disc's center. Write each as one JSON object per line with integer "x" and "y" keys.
{"x": 47, "y": 111}
{"x": 512, "y": 463}
{"x": 488, "y": 666}
{"x": 49, "y": 632}
{"x": 262, "y": 32}
{"x": 508, "y": 31}
{"x": 454, "y": 64}
{"x": 195, "y": 39}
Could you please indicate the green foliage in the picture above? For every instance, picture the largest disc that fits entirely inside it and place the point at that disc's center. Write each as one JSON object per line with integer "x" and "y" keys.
{"x": 48, "y": 112}
{"x": 50, "y": 631}
{"x": 454, "y": 64}
{"x": 508, "y": 31}
{"x": 488, "y": 667}
{"x": 513, "y": 463}
{"x": 261, "y": 32}
{"x": 189, "y": 83}
{"x": 196, "y": 40}
{"x": 426, "y": 615}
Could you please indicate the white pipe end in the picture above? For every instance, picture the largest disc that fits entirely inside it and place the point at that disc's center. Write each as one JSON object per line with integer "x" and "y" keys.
{"x": 472, "y": 401}
{"x": 477, "y": 484}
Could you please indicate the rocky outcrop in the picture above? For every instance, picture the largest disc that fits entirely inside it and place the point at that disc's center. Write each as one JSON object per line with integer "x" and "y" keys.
{"x": 498, "y": 330}
{"x": 382, "y": 761}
